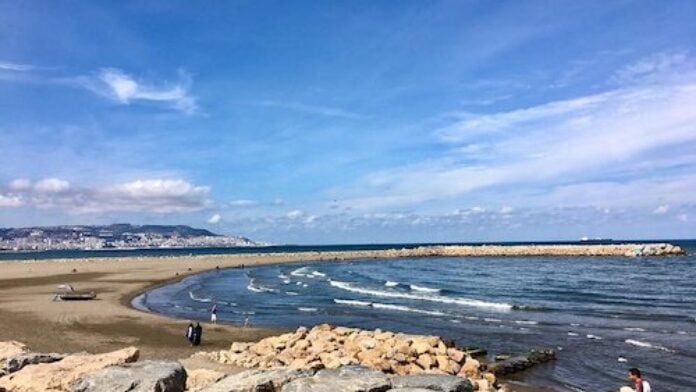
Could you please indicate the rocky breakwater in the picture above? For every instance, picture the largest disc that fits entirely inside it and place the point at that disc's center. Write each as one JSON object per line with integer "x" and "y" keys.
{"x": 22, "y": 370}
{"x": 329, "y": 347}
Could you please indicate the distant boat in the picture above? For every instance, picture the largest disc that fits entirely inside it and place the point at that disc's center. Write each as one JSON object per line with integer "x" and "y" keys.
{"x": 586, "y": 240}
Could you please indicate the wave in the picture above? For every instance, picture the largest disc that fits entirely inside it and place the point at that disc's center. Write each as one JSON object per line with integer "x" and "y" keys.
{"x": 638, "y": 343}
{"x": 352, "y": 302}
{"x": 390, "y": 283}
{"x": 291, "y": 293}
{"x": 573, "y": 334}
{"x": 594, "y": 337}
{"x": 423, "y": 289}
{"x": 432, "y": 298}
{"x": 259, "y": 289}
{"x": 283, "y": 276}
{"x": 406, "y": 309}
{"x": 317, "y": 273}
{"x": 302, "y": 272}
{"x": 199, "y": 299}
{"x": 634, "y": 329}
{"x": 526, "y": 322}
{"x": 301, "y": 309}
{"x": 493, "y": 320}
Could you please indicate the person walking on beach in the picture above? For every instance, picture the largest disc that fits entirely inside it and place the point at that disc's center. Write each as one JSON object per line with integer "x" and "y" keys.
{"x": 637, "y": 379}
{"x": 213, "y": 314}
{"x": 197, "y": 334}
{"x": 189, "y": 333}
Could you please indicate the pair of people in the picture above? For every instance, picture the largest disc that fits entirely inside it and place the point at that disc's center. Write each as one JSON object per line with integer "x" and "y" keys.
{"x": 194, "y": 334}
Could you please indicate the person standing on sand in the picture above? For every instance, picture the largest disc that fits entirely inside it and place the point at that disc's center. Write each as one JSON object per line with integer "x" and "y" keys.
{"x": 213, "y": 314}
{"x": 197, "y": 334}
{"x": 189, "y": 333}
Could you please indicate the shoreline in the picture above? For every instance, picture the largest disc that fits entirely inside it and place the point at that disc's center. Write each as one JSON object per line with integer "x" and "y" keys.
{"x": 109, "y": 323}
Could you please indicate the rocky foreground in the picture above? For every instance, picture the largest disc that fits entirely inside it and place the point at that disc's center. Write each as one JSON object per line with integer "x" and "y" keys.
{"x": 325, "y": 358}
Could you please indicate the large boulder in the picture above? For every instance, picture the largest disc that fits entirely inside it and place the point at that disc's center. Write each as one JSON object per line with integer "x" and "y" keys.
{"x": 59, "y": 376}
{"x": 434, "y": 382}
{"x": 257, "y": 380}
{"x": 344, "y": 379}
{"x": 11, "y": 349}
{"x": 198, "y": 379}
{"x": 17, "y": 362}
{"x": 146, "y": 376}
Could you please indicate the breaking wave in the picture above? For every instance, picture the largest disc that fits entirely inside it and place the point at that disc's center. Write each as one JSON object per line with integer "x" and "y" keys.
{"x": 419, "y": 297}
{"x": 423, "y": 289}
{"x": 638, "y": 343}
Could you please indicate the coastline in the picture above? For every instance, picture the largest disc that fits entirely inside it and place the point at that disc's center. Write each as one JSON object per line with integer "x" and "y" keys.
{"x": 27, "y": 313}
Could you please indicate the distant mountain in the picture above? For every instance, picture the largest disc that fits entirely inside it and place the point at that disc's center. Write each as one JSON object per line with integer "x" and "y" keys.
{"x": 121, "y": 235}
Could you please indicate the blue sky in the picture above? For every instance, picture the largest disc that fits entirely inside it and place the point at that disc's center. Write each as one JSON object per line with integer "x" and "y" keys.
{"x": 345, "y": 122}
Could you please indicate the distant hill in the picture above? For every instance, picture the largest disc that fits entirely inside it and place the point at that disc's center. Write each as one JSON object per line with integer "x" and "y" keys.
{"x": 121, "y": 235}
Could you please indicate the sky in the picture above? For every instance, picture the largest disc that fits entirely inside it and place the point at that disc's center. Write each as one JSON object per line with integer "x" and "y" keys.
{"x": 315, "y": 122}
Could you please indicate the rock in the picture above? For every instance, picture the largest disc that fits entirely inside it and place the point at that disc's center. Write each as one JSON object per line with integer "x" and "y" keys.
{"x": 258, "y": 380}
{"x": 410, "y": 390}
{"x": 421, "y": 347}
{"x": 59, "y": 376}
{"x": 146, "y": 376}
{"x": 425, "y": 361}
{"x": 17, "y": 362}
{"x": 11, "y": 349}
{"x": 471, "y": 367}
{"x": 198, "y": 379}
{"x": 433, "y": 382}
{"x": 344, "y": 379}
{"x": 330, "y": 360}
{"x": 238, "y": 347}
{"x": 456, "y": 355}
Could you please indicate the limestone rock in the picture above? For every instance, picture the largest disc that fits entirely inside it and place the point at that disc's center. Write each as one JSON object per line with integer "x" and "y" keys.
{"x": 59, "y": 376}
{"x": 17, "y": 362}
{"x": 433, "y": 382}
{"x": 146, "y": 376}
{"x": 11, "y": 349}
{"x": 198, "y": 379}
{"x": 344, "y": 379}
{"x": 257, "y": 380}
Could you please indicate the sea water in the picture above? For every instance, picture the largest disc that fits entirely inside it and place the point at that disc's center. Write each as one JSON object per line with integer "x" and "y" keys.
{"x": 602, "y": 314}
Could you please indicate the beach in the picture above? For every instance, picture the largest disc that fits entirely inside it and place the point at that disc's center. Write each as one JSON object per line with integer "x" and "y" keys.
{"x": 28, "y": 314}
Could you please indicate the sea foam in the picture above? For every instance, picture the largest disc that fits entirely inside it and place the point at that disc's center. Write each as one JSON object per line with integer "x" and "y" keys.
{"x": 419, "y": 297}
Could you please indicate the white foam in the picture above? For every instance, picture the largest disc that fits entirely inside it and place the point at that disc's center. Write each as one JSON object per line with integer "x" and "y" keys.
{"x": 390, "y": 283}
{"x": 526, "y": 322}
{"x": 286, "y": 281}
{"x": 493, "y": 320}
{"x": 573, "y": 334}
{"x": 406, "y": 309}
{"x": 199, "y": 299}
{"x": 433, "y": 298}
{"x": 302, "y": 272}
{"x": 471, "y": 317}
{"x": 301, "y": 309}
{"x": 259, "y": 289}
{"x": 423, "y": 289}
{"x": 622, "y": 360}
{"x": 634, "y": 329}
{"x": 283, "y": 276}
{"x": 638, "y": 343}
{"x": 291, "y": 293}
{"x": 593, "y": 337}
{"x": 352, "y": 302}
{"x": 317, "y": 273}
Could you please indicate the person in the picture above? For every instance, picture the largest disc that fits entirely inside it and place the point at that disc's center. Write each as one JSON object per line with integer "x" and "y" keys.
{"x": 189, "y": 333}
{"x": 197, "y": 334}
{"x": 213, "y": 314}
{"x": 637, "y": 379}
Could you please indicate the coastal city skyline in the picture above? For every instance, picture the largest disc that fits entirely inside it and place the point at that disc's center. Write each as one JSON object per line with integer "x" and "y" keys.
{"x": 352, "y": 122}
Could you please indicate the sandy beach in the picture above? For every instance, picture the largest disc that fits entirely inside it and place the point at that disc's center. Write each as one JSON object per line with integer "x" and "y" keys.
{"x": 28, "y": 314}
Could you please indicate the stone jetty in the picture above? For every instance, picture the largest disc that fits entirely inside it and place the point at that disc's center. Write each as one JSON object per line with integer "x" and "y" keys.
{"x": 322, "y": 359}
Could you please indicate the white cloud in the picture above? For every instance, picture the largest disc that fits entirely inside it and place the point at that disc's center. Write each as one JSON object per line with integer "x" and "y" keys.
{"x": 51, "y": 185}
{"x": 121, "y": 87}
{"x": 10, "y": 66}
{"x": 242, "y": 203}
{"x": 215, "y": 219}
{"x": 20, "y": 184}
{"x": 630, "y": 131}
{"x": 506, "y": 210}
{"x": 153, "y": 195}
{"x": 683, "y": 217}
{"x": 295, "y": 214}
{"x": 663, "y": 209}
{"x": 654, "y": 66}
{"x": 10, "y": 201}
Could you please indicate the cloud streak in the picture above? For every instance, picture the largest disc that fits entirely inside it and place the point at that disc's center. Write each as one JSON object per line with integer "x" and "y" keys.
{"x": 162, "y": 196}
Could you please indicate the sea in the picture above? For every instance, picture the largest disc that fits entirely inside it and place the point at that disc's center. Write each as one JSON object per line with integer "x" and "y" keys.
{"x": 602, "y": 315}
